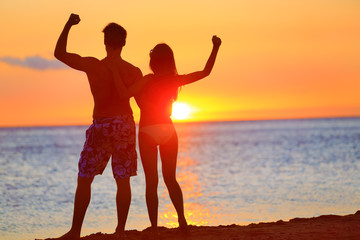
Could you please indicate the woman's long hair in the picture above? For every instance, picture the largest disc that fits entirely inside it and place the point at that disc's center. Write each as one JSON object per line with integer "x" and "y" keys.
{"x": 162, "y": 60}
{"x": 162, "y": 63}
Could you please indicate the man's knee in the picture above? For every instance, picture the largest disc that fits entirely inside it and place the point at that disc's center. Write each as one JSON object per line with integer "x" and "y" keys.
{"x": 84, "y": 181}
{"x": 123, "y": 182}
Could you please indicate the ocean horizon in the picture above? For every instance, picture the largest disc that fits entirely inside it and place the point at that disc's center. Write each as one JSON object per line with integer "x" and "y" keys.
{"x": 189, "y": 122}
{"x": 231, "y": 172}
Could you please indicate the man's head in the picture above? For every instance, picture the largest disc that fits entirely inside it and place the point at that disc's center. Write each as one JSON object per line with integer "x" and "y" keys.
{"x": 114, "y": 36}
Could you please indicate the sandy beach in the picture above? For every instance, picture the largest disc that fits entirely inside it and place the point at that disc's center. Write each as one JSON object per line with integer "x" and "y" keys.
{"x": 317, "y": 228}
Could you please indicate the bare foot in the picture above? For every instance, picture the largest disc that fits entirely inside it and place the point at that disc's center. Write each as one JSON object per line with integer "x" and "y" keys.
{"x": 153, "y": 234}
{"x": 183, "y": 226}
{"x": 119, "y": 235}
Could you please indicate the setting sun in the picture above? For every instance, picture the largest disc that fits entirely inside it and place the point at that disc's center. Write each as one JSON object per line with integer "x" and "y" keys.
{"x": 180, "y": 111}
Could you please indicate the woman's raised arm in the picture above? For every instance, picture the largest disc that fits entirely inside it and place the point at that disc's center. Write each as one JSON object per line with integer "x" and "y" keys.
{"x": 195, "y": 76}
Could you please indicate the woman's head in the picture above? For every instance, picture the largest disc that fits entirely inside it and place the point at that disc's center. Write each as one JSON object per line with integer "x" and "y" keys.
{"x": 162, "y": 60}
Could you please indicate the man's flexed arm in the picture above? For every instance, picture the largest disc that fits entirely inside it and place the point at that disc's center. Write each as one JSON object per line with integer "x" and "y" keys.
{"x": 60, "y": 49}
{"x": 71, "y": 59}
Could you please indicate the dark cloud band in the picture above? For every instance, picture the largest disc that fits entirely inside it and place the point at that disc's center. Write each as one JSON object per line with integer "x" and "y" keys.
{"x": 35, "y": 62}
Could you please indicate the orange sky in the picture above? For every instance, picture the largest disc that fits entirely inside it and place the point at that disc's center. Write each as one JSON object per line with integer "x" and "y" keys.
{"x": 279, "y": 58}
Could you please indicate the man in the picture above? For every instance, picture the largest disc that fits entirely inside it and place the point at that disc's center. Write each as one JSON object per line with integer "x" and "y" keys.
{"x": 113, "y": 130}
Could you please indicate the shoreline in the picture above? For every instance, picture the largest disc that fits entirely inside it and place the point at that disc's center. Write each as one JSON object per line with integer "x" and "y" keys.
{"x": 324, "y": 227}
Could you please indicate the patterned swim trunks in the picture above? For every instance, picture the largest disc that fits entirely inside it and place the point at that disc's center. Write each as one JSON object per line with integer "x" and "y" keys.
{"x": 107, "y": 137}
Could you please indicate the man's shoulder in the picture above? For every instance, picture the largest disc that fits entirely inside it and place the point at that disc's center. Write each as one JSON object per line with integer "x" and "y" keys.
{"x": 134, "y": 73}
{"x": 97, "y": 66}
{"x": 130, "y": 66}
{"x": 93, "y": 60}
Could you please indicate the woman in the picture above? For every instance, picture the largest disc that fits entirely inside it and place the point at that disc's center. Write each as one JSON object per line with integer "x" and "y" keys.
{"x": 156, "y": 127}
{"x": 155, "y": 94}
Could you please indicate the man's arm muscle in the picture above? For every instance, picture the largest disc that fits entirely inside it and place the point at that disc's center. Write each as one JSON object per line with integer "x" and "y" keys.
{"x": 73, "y": 60}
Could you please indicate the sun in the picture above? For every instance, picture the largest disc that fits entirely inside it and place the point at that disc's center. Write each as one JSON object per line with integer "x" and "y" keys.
{"x": 180, "y": 111}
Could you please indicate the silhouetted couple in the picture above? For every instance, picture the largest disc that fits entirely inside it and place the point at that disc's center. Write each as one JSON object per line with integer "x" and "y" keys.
{"x": 113, "y": 81}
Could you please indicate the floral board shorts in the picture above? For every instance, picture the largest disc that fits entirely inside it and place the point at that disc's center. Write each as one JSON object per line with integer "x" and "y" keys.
{"x": 115, "y": 137}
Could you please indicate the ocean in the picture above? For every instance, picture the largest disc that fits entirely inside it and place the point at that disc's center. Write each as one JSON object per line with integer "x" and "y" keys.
{"x": 230, "y": 173}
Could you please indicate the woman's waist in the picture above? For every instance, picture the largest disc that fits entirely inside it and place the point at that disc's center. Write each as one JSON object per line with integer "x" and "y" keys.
{"x": 149, "y": 119}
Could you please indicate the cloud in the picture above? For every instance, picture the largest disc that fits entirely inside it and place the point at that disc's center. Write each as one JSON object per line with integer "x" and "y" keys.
{"x": 35, "y": 62}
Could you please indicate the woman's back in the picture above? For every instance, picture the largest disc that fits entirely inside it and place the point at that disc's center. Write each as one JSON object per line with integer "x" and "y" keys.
{"x": 156, "y": 99}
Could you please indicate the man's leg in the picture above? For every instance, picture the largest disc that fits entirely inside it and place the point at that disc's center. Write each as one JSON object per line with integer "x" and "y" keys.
{"x": 82, "y": 200}
{"x": 123, "y": 200}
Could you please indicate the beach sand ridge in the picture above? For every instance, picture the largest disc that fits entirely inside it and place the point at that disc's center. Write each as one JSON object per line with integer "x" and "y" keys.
{"x": 325, "y": 227}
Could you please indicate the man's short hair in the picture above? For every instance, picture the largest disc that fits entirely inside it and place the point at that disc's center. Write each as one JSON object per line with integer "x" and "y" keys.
{"x": 114, "y": 35}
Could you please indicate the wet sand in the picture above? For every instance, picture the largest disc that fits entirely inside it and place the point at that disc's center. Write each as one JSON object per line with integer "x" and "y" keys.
{"x": 317, "y": 228}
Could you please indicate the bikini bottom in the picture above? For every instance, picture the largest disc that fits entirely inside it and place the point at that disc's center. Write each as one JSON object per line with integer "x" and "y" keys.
{"x": 160, "y": 133}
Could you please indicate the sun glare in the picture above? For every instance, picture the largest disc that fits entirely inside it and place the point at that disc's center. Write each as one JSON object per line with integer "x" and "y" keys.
{"x": 180, "y": 111}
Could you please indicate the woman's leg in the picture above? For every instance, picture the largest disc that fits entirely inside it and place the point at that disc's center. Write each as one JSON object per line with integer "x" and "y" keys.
{"x": 148, "y": 154}
{"x": 168, "y": 153}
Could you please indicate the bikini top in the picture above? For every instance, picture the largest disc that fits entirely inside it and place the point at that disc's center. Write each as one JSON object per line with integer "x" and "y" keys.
{"x": 159, "y": 95}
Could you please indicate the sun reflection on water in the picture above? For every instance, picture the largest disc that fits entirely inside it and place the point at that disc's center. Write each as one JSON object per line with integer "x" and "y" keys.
{"x": 196, "y": 213}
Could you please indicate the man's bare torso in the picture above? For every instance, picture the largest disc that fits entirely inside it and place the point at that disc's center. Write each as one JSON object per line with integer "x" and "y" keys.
{"x": 107, "y": 102}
